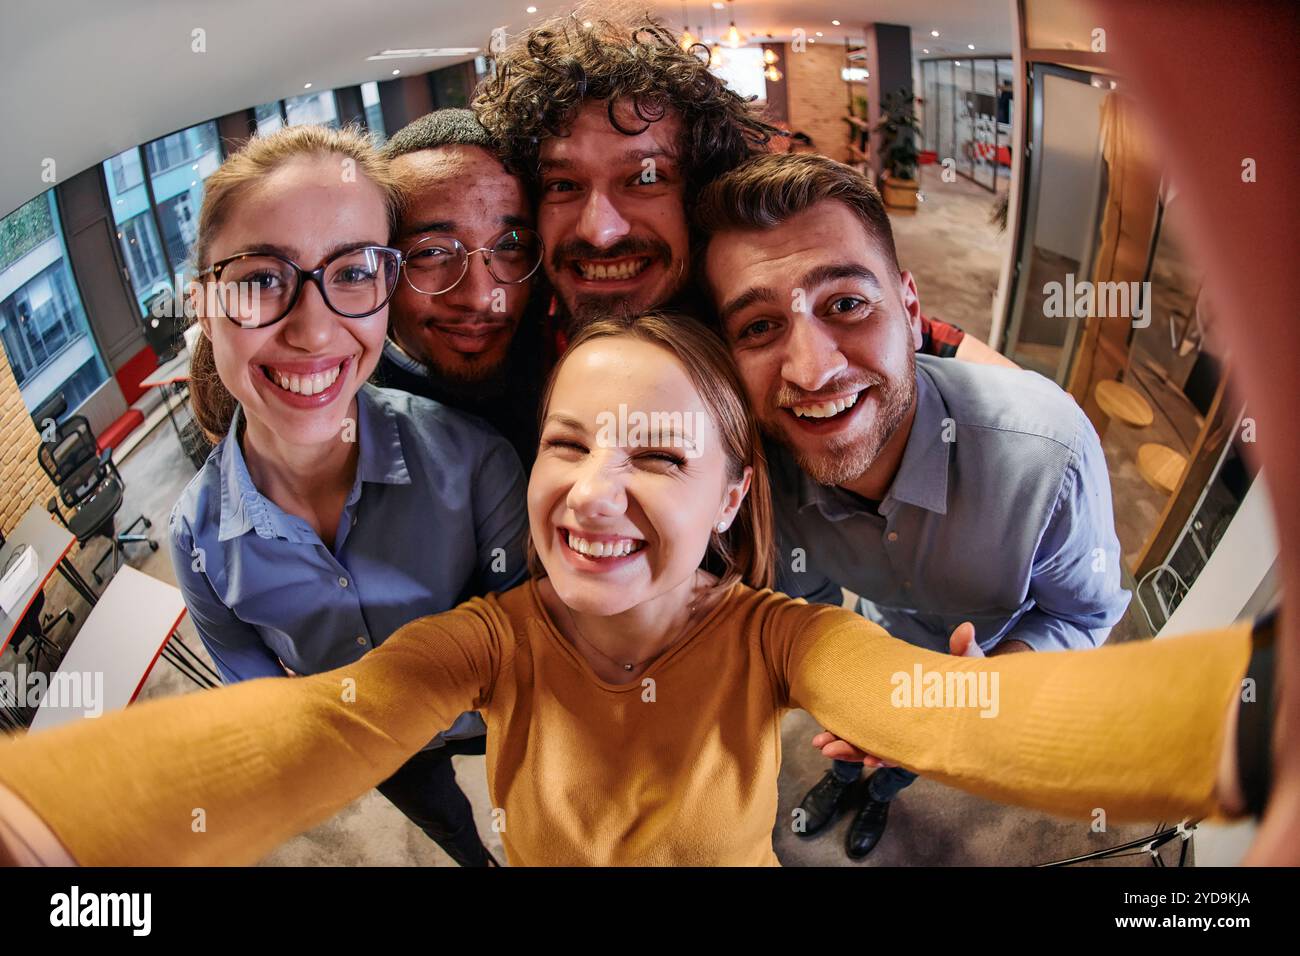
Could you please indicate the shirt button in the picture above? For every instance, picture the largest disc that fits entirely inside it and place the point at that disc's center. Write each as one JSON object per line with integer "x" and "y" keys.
{"x": 362, "y": 641}
{"x": 892, "y": 536}
{"x": 343, "y": 582}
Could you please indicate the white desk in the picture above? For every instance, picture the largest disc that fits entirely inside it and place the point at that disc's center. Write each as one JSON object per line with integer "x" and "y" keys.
{"x": 116, "y": 648}
{"x": 170, "y": 377}
{"x": 52, "y": 542}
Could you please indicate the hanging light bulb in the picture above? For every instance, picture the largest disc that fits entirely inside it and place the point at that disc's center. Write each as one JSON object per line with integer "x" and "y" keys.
{"x": 688, "y": 39}
{"x": 770, "y": 57}
{"x": 716, "y": 59}
{"x": 773, "y": 74}
{"x": 734, "y": 39}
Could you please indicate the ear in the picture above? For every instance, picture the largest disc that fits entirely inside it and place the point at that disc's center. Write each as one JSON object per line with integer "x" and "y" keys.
{"x": 194, "y": 295}
{"x": 733, "y": 498}
{"x": 911, "y": 305}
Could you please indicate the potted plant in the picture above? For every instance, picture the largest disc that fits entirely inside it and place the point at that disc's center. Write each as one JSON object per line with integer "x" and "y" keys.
{"x": 898, "y": 129}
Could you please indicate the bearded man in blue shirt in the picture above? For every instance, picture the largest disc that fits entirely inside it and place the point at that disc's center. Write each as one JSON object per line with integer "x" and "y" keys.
{"x": 942, "y": 491}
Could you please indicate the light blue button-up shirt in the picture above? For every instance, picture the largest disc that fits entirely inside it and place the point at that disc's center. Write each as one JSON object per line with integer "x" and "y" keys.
{"x": 436, "y": 515}
{"x": 1000, "y": 514}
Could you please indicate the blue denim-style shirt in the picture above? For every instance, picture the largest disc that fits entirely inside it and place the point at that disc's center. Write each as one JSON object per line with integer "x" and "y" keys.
{"x": 1000, "y": 514}
{"x": 436, "y": 515}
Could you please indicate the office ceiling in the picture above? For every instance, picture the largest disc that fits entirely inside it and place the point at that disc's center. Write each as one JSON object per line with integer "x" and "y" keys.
{"x": 85, "y": 79}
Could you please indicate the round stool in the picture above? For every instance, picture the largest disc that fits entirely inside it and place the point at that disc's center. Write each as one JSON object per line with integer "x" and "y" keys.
{"x": 1123, "y": 403}
{"x": 1160, "y": 466}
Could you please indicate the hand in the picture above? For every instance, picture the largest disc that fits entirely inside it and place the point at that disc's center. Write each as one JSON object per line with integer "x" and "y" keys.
{"x": 961, "y": 643}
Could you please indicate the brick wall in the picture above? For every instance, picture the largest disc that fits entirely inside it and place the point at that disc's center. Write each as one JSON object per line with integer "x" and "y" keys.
{"x": 817, "y": 97}
{"x": 22, "y": 482}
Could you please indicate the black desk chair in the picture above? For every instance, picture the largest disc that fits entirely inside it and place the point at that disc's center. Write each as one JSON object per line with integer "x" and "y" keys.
{"x": 33, "y": 635}
{"x": 90, "y": 488}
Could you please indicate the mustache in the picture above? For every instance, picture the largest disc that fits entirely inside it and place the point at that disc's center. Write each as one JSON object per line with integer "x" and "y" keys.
{"x": 490, "y": 320}
{"x": 572, "y": 249}
{"x": 788, "y": 395}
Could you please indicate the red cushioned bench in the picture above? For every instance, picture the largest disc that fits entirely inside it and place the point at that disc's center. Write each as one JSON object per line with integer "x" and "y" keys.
{"x": 115, "y": 434}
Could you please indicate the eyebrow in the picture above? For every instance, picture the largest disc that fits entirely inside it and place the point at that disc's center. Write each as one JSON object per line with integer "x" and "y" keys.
{"x": 629, "y": 156}
{"x": 271, "y": 248}
{"x": 566, "y": 420}
{"x": 810, "y": 280}
{"x": 509, "y": 220}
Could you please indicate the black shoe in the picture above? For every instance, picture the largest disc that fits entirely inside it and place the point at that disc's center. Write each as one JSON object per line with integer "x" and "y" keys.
{"x": 867, "y": 828}
{"x": 824, "y": 802}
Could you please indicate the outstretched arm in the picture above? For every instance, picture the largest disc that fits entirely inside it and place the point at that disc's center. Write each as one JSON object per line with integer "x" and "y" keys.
{"x": 225, "y": 776}
{"x": 1136, "y": 729}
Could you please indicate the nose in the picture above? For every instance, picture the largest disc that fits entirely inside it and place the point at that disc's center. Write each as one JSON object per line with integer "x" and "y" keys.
{"x": 597, "y": 490}
{"x": 812, "y": 357}
{"x": 475, "y": 291}
{"x": 310, "y": 324}
{"x": 600, "y": 223}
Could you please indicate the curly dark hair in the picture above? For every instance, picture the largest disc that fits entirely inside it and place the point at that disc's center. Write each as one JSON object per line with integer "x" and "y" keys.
{"x": 545, "y": 75}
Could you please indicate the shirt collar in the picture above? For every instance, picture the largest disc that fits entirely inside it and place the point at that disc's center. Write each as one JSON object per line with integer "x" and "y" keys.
{"x": 381, "y": 461}
{"x": 403, "y": 359}
{"x": 922, "y": 478}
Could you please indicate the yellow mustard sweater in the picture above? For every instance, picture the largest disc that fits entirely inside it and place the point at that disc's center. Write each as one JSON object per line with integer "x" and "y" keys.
{"x": 678, "y": 768}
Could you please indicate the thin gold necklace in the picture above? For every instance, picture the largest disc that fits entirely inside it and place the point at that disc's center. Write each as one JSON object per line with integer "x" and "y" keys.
{"x": 690, "y": 619}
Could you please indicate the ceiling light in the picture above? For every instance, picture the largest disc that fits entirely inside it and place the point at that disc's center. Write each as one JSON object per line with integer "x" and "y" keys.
{"x": 970, "y": 46}
{"x": 688, "y": 39}
{"x": 734, "y": 39}
{"x": 530, "y": 10}
{"x": 934, "y": 33}
{"x": 719, "y": 5}
{"x": 812, "y": 39}
{"x": 835, "y": 23}
{"x": 395, "y": 72}
{"x": 820, "y": 34}
{"x": 769, "y": 57}
{"x": 925, "y": 51}
{"x": 958, "y": 62}
{"x": 306, "y": 86}
{"x": 773, "y": 75}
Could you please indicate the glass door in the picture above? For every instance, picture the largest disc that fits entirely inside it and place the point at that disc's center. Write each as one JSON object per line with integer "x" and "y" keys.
{"x": 1061, "y": 219}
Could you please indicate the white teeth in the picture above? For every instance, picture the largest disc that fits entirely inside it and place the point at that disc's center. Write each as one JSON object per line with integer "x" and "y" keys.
{"x": 826, "y": 409}
{"x": 603, "y": 549}
{"x": 310, "y": 384}
{"x": 621, "y": 270}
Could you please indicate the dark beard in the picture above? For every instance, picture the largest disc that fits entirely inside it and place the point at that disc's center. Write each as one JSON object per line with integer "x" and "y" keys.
{"x": 841, "y": 462}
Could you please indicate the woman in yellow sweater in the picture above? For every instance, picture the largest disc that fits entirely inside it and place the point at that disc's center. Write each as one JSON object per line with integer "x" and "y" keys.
{"x": 633, "y": 700}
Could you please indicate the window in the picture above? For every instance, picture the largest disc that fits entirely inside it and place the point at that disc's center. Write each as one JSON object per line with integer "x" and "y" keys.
{"x": 312, "y": 108}
{"x": 178, "y": 165}
{"x": 374, "y": 115}
{"x": 269, "y": 118}
{"x": 42, "y": 323}
{"x": 137, "y": 233}
{"x": 742, "y": 70}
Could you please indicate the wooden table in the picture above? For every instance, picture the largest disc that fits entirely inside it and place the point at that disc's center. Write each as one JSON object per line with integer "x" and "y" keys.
{"x": 1123, "y": 403}
{"x": 1161, "y": 466}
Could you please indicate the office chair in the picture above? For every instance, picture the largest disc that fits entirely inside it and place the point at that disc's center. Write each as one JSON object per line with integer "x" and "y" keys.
{"x": 90, "y": 488}
{"x": 33, "y": 632}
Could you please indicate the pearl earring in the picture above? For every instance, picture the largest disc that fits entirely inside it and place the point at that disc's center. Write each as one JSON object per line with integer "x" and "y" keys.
{"x": 722, "y": 526}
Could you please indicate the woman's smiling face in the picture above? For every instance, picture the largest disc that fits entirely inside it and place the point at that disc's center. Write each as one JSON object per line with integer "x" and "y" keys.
{"x": 631, "y": 477}
{"x": 297, "y": 377}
